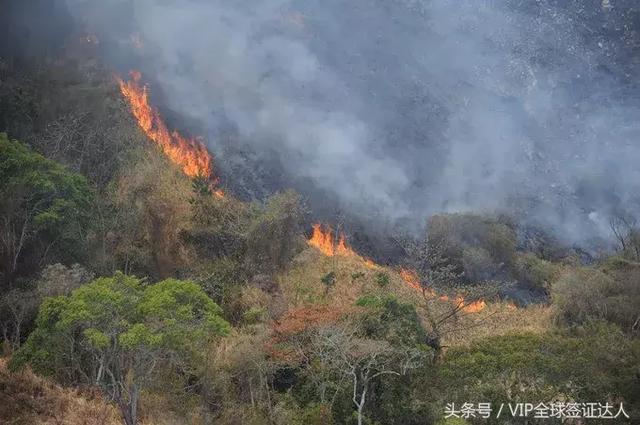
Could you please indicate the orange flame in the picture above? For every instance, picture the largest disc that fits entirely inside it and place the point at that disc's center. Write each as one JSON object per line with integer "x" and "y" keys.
{"x": 343, "y": 248}
{"x": 411, "y": 278}
{"x": 370, "y": 263}
{"x": 189, "y": 153}
{"x": 323, "y": 240}
{"x": 472, "y": 307}
{"x": 326, "y": 243}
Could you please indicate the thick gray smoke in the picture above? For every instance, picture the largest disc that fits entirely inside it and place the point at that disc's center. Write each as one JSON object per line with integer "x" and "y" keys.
{"x": 404, "y": 108}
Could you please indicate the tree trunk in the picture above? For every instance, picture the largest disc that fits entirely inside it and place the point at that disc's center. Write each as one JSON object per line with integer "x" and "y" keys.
{"x": 438, "y": 353}
{"x": 361, "y": 405}
{"x": 129, "y": 410}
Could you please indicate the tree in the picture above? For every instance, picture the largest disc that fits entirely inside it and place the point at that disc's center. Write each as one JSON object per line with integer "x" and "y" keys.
{"x": 625, "y": 228}
{"x": 443, "y": 310}
{"x": 352, "y": 351}
{"x": 274, "y": 236}
{"x": 360, "y": 360}
{"x": 19, "y": 306}
{"x": 43, "y": 205}
{"x": 480, "y": 246}
{"x": 143, "y": 216}
{"x": 115, "y": 333}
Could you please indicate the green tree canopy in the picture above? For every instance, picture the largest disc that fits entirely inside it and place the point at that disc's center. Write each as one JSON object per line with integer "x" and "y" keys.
{"x": 42, "y": 205}
{"x": 116, "y": 332}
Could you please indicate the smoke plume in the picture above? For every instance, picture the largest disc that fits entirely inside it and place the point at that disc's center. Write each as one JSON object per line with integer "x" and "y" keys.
{"x": 403, "y": 108}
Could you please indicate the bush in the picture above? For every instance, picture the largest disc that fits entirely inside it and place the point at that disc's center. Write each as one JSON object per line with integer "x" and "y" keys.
{"x": 484, "y": 247}
{"x": 596, "y": 362}
{"x": 274, "y": 235}
{"x": 382, "y": 279}
{"x": 478, "y": 264}
{"x": 44, "y": 211}
{"x": 147, "y": 210}
{"x": 586, "y": 294}
{"x": 328, "y": 280}
{"x": 221, "y": 278}
{"x": 536, "y": 272}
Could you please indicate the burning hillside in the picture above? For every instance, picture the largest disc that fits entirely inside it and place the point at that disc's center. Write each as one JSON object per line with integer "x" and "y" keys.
{"x": 189, "y": 153}
{"x": 324, "y": 240}
{"x": 411, "y": 278}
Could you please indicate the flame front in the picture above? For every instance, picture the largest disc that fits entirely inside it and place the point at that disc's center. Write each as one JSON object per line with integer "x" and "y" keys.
{"x": 472, "y": 307}
{"x": 411, "y": 278}
{"x": 343, "y": 248}
{"x": 325, "y": 241}
{"x": 189, "y": 153}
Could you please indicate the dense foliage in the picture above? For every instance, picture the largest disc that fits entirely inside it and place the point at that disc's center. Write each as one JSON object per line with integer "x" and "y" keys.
{"x": 116, "y": 332}
{"x": 44, "y": 209}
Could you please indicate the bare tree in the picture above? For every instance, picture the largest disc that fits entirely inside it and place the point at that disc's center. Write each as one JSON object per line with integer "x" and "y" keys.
{"x": 445, "y": 301}
{"x": 620, "y": 225}
{"x": 341, "y": 350}
{"x": 17, "y": 309}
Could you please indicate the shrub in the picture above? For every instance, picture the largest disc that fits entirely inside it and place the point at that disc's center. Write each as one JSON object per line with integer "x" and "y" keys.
{"x": 382, "y": 279}
{"x": 274, "y": 235}
{"x": 596, "y": 362}
{"x": 44, "y": 211}
{"x": 585, "y": 294}
{"x": 484, "y": 247}
{"x": 536, "y": 272}
{"x": 328, "y": 280}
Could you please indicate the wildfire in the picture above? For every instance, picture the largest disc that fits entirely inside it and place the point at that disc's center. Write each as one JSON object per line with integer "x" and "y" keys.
{"x": 411, "y": 278}
{"x": 189, "y": 153}
{"x": 472, "y": 307}
{"x": 325, "y": 241}
{"x": 370, "y": 263}
{"x": 343, "y": 248}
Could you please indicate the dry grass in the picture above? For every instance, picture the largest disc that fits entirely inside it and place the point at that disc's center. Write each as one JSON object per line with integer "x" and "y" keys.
{"x": 26, "y": 399}
{"x": 500, "y": 319}
{"x": 302, "y": 285}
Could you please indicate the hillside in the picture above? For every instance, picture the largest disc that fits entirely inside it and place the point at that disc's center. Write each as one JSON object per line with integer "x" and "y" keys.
{"x": 216, "y": 212}
{"x": 28, "y": 399}
{"x": 302, "y": 285}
